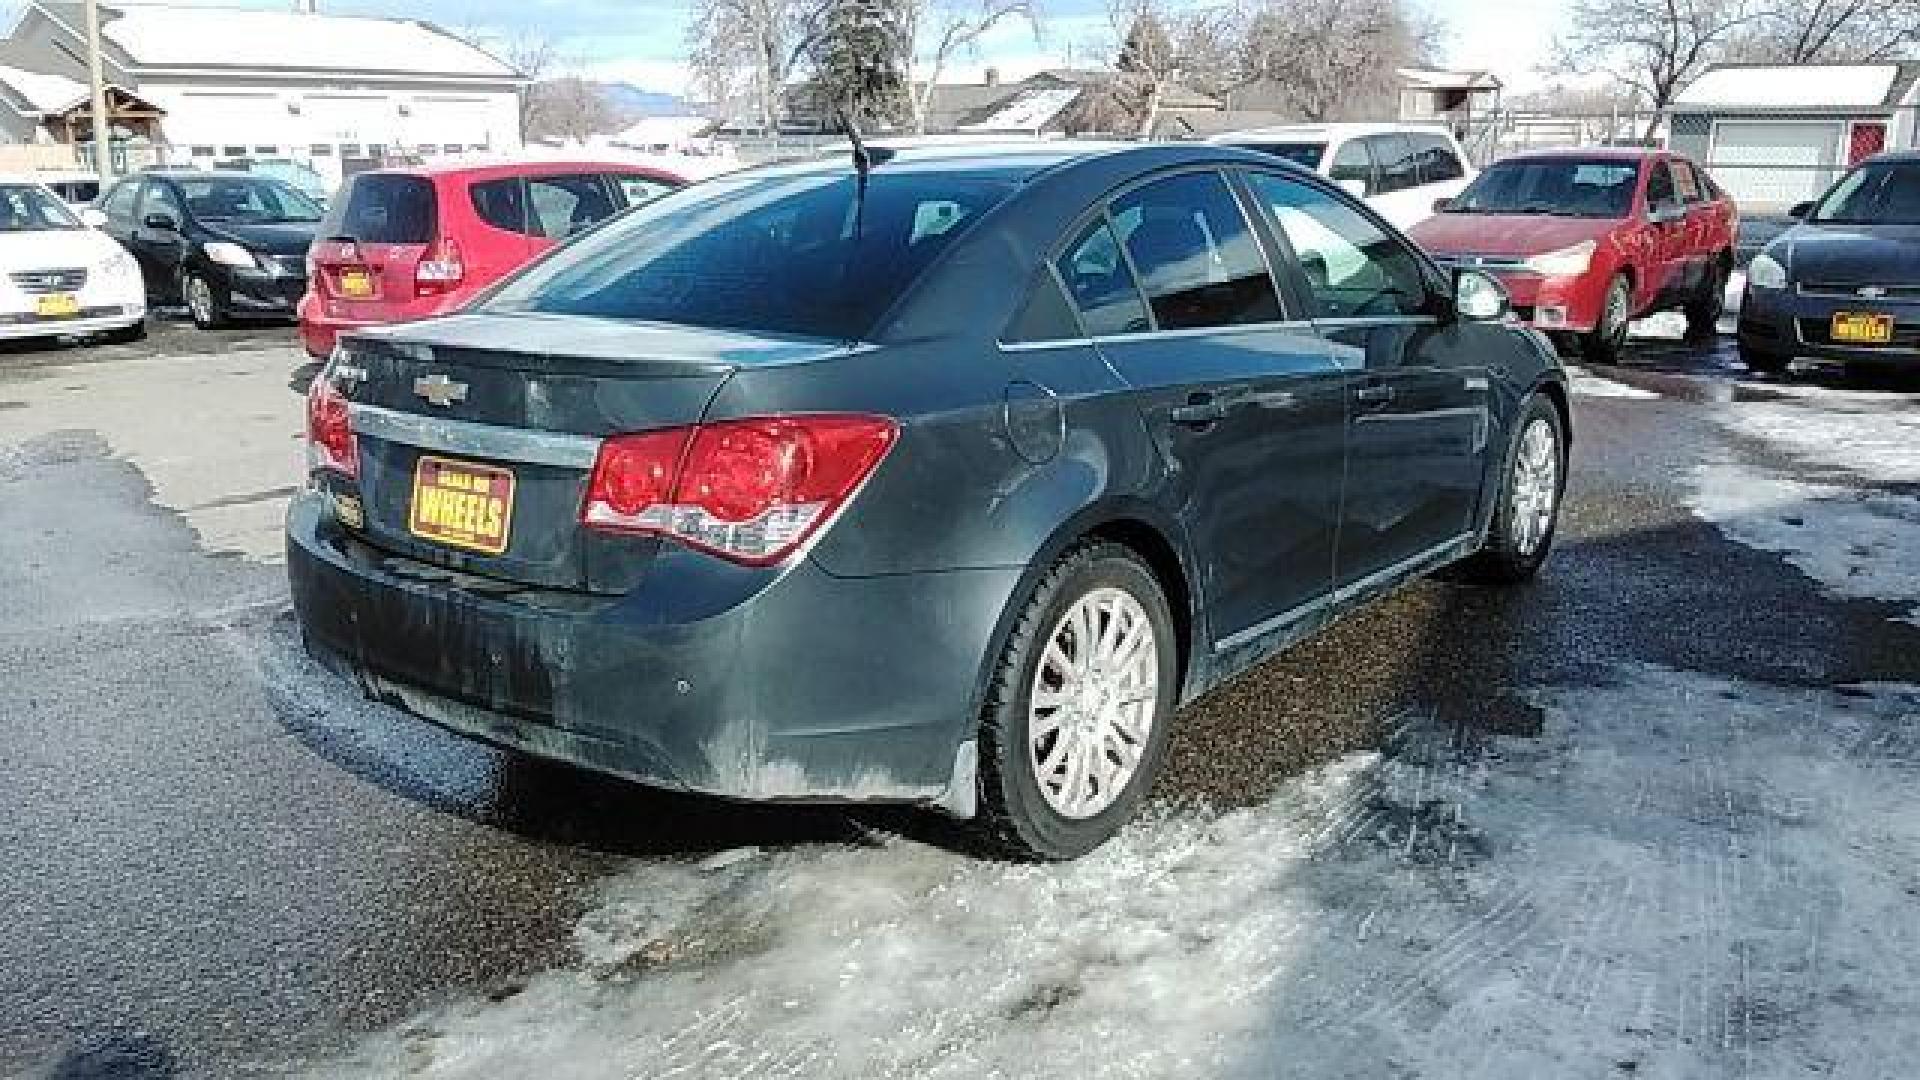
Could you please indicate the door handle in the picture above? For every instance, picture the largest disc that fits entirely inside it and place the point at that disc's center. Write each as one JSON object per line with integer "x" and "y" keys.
{"x": 1374, "y": 394}
{"x": 1201, "y": 410}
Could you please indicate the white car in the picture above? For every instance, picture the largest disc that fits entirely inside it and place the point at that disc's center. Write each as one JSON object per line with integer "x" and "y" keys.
{"x": 58, "y": 277}
{"x": 1401, "y": 170}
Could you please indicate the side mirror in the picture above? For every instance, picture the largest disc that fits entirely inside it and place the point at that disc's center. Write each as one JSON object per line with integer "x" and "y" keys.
{"x": 93, "y": 217}
{"x": 161, "y": 223}
{"x": 1442, "y": 205}
{"x": 1355, "y": 188}
{"x": 1479, "y": 297}
{"x": 1800, "y": 210}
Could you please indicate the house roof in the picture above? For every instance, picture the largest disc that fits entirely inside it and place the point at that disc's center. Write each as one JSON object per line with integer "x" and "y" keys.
{"x": 42, "y": 93}
{"x": 159, "y": 36}
{"x": 1799, "y": 87}
{"x": 1434, "y": 79}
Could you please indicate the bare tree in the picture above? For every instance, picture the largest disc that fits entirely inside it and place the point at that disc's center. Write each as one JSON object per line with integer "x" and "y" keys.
{"x": 1656, "y": 47}
{"x": 568, "y": 109}
{"x": 748, "y": 49}
{"x": 1826, "y": 31}
{"x": 1332, "y": 58}
{"x": 1160, "y": 43}
{"x": 944, "y": 29}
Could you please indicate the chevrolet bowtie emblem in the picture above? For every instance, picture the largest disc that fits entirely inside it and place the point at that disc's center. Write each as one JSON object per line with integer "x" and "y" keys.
{"x": 1871, "y": 292}
{"x": 440, "y": 390}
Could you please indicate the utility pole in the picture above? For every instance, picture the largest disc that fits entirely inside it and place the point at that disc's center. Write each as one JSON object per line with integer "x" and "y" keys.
{"x": 96, "y": 74}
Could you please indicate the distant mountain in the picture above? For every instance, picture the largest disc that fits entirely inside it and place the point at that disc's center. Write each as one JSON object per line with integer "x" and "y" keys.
{"x": 631, "y": 100}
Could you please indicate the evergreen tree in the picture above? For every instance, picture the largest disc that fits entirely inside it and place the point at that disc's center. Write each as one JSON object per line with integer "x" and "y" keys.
{"x": 860, "y": 61}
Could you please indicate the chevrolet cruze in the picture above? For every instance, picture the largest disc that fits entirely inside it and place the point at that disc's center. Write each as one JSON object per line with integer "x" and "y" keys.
{"x": 938, "y": 476}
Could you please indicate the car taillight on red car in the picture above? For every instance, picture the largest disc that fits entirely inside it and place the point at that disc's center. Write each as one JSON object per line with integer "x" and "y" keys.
{"x": 441, "y": 269}
{"x": 750, "y": 490}
{"x": 330, "y": 430}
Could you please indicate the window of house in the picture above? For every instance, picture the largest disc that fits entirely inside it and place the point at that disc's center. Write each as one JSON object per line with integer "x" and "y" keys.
{"x": 1198, "y": 261}
{"x": 201, "y": 151}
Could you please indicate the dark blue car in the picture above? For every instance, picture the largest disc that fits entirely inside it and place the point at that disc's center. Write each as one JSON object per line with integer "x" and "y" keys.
{"x": 1843, "y": 284}
{"x": 944, "y": 483}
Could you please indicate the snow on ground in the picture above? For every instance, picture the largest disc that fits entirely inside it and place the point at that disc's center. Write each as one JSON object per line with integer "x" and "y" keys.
{"x": 1826, "y": 508}
{"x": 1588, "y": 384}
{"x": 1675, "y": 876}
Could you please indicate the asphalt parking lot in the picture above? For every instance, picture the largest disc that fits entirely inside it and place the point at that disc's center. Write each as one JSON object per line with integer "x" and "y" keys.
{"x": 1651, "y": 816}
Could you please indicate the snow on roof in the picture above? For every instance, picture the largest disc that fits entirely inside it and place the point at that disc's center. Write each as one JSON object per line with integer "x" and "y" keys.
{"x": 155, "y": 36}
{"x": 1029, "y": 110}
{"x": 1433, "y": 79}
{"x": 43, "y": 93}
{"x": 1794, "y": 86}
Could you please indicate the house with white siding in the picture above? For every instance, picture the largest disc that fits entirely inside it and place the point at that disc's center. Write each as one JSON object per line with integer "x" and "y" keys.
{"x": 209, "y": 85}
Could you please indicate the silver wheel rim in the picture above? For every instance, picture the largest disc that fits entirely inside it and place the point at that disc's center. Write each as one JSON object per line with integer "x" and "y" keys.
{"x": 199, "y": 300}
{"x": 1616, "y": 316}
{"x": 1536, "y": 486}
{"x": 1090, "y": 709}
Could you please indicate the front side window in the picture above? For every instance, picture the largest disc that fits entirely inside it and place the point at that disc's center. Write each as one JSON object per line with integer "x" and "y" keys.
{"x": 1398, "y": 168}
{"x": 119, "y": 204}
{"x": 161, "y": 199}
{"x": 1198, "y": 261}
{"x": 1558, "y": 186}
{"x": 785, "y": 253}
{"x": 1883, "y": 193}
{"x": 1660, "y": 189}
{"x": 1352, "y": 267}
{"x": 32, "y": 208}
{"x": 1353, "y": 164}
{"x": 1687, "y": 184}
{"x": 1101, "y": 284}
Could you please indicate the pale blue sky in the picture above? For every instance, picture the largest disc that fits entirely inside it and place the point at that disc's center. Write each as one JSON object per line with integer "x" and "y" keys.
{"x": 643, "y": 40}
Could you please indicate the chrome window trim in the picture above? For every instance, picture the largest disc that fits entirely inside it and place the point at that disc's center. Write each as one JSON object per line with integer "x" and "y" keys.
{"x": 463, "y": 437}
{"x": 1294, "y": 325}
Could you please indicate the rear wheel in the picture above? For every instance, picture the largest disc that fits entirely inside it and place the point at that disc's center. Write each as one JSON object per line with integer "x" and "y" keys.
{"x": 1708, "y": 301}
{"x": 1528, "y": 513}
{"x": 1602, "y": 344}
{"x": 204, "y": 302}
{"x": 1075, "y": 726}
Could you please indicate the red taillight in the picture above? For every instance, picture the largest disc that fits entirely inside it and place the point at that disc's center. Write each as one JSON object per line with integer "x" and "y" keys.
{"x": 330, "y": 430}
{"x": 441, "y": 269}
{"x": 749, "y": 490}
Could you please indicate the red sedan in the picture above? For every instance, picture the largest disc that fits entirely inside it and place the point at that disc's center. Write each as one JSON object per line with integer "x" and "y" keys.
{"x": 406, "y": 244}
{"x": 1587, "y": 240}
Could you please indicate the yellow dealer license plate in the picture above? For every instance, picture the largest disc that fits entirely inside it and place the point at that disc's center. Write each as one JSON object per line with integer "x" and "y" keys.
{"x": 356, "y": 284}
{"x": 462, "y": 505}
{"x": 1862, "y": 328}
{"x": 57, "y": 306}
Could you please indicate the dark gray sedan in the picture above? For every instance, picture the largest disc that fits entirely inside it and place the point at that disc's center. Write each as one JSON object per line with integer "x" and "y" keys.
{"x": 941, "y": 483}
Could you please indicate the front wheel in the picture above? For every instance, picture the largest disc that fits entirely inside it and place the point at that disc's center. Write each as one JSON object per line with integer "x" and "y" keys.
{"x": 1528, "y": 513}
{"x": 1603, "y": 344}
{"x": 1075, "y": 725}
{"x": 204, "y": 302}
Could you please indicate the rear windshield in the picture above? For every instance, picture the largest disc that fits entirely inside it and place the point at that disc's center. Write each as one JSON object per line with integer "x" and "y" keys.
{"x": 383, "y": 208}
{"x": 1306, "y": 154}
{"x": 1556, "y": 186}
{"x": 765, "y": 254}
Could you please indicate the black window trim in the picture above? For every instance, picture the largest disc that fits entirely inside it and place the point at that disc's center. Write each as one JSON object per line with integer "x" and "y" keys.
{"x": 1653, "y": 167}
{"x": 1379, "y": 168}
{"x": 1365, "y": 143}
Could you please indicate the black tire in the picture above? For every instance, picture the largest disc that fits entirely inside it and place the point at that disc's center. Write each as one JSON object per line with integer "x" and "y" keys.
{"x": 1501, "y": 561}
{"x": 211, "y": 316}
{"x": 1709, "y": 300}
{"x": 1761, "y": 362}
{"x": 1015, "y": 817}
{"x": 1603, "y": 344}
{"x": 126, "y": 335}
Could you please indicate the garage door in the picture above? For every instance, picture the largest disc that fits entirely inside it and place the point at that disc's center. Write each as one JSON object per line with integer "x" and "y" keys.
{"x": 1768, "y": 165}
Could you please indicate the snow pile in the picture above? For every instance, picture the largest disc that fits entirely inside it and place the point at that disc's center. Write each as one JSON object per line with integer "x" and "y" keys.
{"x": 172, "y": 36}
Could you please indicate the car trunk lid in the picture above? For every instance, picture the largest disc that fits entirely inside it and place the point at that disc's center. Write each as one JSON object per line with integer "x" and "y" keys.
{"x": 506, "y": 413}
{"x": 368, "y": 252}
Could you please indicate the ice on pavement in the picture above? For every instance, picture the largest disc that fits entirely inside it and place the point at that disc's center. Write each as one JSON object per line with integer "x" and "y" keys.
{"x": 1676, "y": 876}
{"x": 1588, "y": 384}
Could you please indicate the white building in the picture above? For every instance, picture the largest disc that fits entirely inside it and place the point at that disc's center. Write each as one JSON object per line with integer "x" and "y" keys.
{"x": 227, "y": 84}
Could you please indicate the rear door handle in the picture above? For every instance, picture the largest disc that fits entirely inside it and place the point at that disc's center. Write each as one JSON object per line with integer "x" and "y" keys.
{"x": 1201, "y": 410}
{"x": 1374, "y": 394}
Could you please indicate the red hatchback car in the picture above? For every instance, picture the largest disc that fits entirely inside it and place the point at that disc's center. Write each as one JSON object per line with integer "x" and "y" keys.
{"x": 405, "y": 244}
{"x": 1587, "y": 240}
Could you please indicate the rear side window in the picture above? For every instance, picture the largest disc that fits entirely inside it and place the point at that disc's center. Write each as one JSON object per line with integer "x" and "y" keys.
{"x": 1101, "y": 283}
{"x": 383, "y": 208}
{"x": 780, "y": 253}
{"x": 502, "y": 203}
{"x": 560, "y": 206}
{"x": 1394, "y": 155}
{"x": 1197, "y": 259}
{"x": 1434, "y": 157}
{"x": 640, "y": 189}
{"x": 1353, "y": 164}
{"x": 1307, "y": 155}
{"x": 1046, "y": 316}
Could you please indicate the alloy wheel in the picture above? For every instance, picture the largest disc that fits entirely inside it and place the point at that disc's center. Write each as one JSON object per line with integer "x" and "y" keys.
{"x": 200, "y": 300}
{"x": 1091, "y": 706}
{"x": 1535, "y": 486}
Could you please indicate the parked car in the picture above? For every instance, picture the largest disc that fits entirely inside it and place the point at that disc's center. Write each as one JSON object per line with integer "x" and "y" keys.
{"x": 76, "y": 188}
{"x": 226, "y": 244}
{"x": 944, "y": 486}
{"x": 404, "y": 244}
{"x": 1399, "y": 169}
{"x": 61, "y": 277}
{"x": 1588, "y": 240}
{"x": 1843, "y": 284}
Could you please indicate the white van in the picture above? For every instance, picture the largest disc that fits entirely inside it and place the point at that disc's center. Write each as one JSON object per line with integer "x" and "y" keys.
{"x": 1399, "y": 169}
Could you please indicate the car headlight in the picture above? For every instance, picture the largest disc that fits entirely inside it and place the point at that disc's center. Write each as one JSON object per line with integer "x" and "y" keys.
{"x": 227, "y": 254}
{"x": 1566, "y": 262}
{"x": 1765, "y": 272}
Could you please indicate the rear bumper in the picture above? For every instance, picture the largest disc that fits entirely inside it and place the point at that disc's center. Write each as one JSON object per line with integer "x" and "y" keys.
{"x": 807, "y": 687}
{"x": 95, "y": 320}
{"x": 1787, "y": 323}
